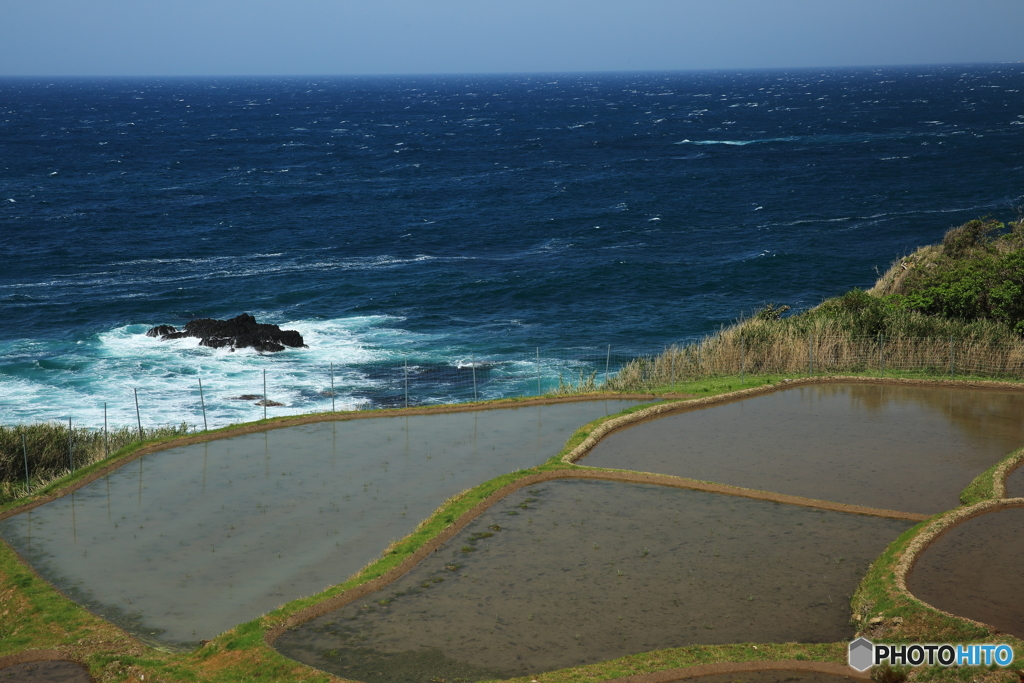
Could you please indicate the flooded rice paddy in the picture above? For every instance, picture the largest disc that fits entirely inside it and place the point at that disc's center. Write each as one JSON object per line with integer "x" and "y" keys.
{"x": 976, "y": 570}
{"x": 45, "y": 672}
{"x": 183, "y": 544}
{"x": 572, "y": 572}
{"x": 1015, "y": 483}
{"x": 912, "y": 449}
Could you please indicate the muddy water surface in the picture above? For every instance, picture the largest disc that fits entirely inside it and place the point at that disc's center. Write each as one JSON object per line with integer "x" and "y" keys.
{"x": 45, "y": 672}
{"x": 183, "y": 544}
{"x": 1015, "y": 483}
{"x": 912, "y": 449}
{"x": 976, "y": 570}
{"x": 573, "y": 572}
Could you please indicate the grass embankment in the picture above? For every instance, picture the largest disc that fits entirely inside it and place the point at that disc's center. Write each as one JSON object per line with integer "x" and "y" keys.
{"x": 884, "y": 611}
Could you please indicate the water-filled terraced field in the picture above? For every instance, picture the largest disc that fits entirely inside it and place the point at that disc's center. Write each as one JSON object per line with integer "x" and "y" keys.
{"x": 188, "y": 542}
{"x": 1015, "y": 483}
{"x": 976, "y": 570}
{"x": 894, "y": 447}
{"x": 45, "y": 672}
{"x": 567, "y": 573}
{"x": 572, "y": 567}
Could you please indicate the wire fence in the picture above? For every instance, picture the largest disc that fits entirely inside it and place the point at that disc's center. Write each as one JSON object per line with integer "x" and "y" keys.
{"x": 33, "y": 454}
{"x": 734, "y": 353}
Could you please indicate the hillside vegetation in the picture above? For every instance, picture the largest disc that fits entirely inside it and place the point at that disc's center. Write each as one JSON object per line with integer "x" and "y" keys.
{"x": 977, "y": 273}
{"x": 950, "y": 308}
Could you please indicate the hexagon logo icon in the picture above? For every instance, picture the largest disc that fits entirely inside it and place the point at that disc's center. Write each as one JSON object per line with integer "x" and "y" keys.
{"x": 862, "y": 654}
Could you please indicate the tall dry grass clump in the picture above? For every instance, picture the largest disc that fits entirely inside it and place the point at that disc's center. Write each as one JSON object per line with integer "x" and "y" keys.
{"x": 53, "y": 449}
{"x": 760, "y": 349}
{"x": 951, "y": 308}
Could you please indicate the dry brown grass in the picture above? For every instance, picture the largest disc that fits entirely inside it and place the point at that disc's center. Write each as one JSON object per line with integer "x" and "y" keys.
{"x": 51, "y": 449}
{"x": 756, "y": 347}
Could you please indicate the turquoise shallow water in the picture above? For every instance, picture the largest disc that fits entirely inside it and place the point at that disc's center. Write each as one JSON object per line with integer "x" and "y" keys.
{"x": 188, "y": 542}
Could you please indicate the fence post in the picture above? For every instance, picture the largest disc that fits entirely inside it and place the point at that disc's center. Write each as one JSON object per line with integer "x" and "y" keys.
{"x": 673, "y": 369}
{"x": 406, "y": 381}
{"x": 71, "y": 448}
{"x": 106, "y": 448}
{"x": 538, "y": 371}
{"x": 264, "y": 394}
{"x": 24, "y": 452}
{"x": 202, "y": 402}
{"x": 472, "y": 364}
{"x": 810, "y": 354}
{"x": 138, "y": 415}
{"x": 881, "y": 353}
{"x": 743, "y": 360}
{"x": 952, "y": 367}
{"x": 332, "y": 387}
{"x": 607, "y": 362}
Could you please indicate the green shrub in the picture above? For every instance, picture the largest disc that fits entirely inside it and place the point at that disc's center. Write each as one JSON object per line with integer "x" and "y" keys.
{"x": 979, "y": 275}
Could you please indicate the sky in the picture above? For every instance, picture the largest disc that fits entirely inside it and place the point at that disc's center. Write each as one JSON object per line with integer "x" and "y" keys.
{"x": 342, "y": 37}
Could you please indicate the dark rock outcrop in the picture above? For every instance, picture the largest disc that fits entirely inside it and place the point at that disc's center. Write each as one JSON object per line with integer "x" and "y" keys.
{"x": 161, "y": 330}
{"x": 238, "y": 333}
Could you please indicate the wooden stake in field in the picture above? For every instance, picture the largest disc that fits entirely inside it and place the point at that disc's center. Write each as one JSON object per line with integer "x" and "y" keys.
{"x": 607, "y": 362}
{"x": 24, "y": 452}
{"x": 472, "y": 364}
{"x": 743, "y": 361}
{"x": 202, "y": 402}
{"x": 538, "y": 371}
{"x": 810, "y": 354}
{"x": 673, "y": 368}
{"x": 138, "y": 415}
{"x": 952, "y": 367}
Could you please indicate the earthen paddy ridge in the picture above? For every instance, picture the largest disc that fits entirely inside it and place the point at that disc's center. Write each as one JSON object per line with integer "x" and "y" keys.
{"x": 882, "y": 607}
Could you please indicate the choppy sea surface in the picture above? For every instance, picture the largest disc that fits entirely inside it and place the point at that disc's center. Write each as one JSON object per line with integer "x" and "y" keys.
{"x": 516, "y": 225}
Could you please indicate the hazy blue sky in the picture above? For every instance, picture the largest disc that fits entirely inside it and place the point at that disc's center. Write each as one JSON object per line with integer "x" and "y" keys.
{"x": 271, "y": 37}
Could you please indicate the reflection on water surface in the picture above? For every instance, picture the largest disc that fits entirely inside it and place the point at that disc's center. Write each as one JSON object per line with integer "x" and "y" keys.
{"x": 183, "y": 544}
{"x": 573, "y": 572}
{"x": 976, "y": 570}
{"x": 1015, "y": 483}
{"x": 912, "y": 449}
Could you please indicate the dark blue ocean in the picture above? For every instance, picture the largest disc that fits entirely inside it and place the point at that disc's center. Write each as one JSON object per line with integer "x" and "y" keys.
{"x": 512, "y": 222}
